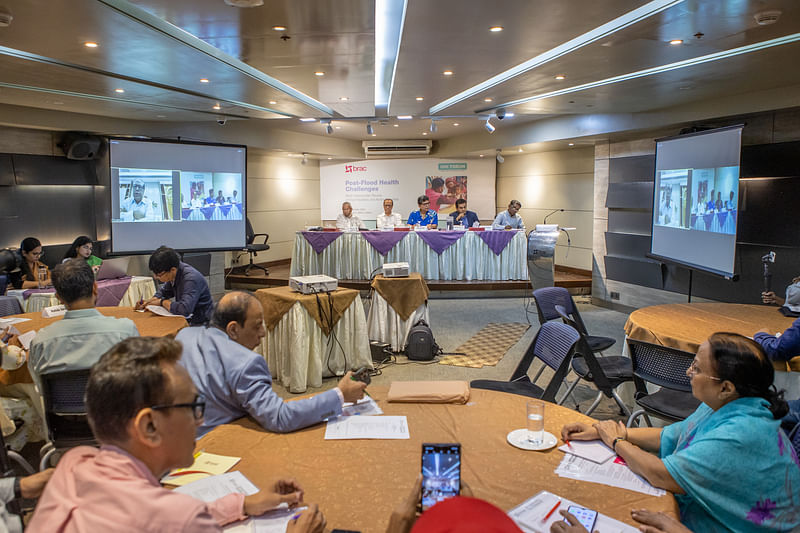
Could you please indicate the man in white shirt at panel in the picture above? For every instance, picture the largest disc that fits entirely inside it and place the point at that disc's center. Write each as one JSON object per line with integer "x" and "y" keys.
{"x": 388, "y": 219}
{"x": 509, "y": 219}
{"x": 347, "y": 221}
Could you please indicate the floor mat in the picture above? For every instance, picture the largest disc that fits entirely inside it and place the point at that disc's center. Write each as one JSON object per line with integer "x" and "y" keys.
{"x": 488, "y": 346}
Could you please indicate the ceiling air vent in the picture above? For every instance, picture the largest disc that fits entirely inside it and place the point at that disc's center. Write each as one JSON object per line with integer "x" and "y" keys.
{"x": 396, "y": 148}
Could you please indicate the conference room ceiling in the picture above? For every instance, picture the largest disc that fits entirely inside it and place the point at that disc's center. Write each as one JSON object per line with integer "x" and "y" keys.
{"x": 152, "y": 55}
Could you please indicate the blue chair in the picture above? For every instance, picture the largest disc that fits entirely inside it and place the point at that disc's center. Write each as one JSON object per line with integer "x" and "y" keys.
{"x": 554, "y": 345}
{"x": 9, "y": 305}
{"x": 548, "y": 298}
{"x": 665, "y": 368}
{"x": 65, "y": 412}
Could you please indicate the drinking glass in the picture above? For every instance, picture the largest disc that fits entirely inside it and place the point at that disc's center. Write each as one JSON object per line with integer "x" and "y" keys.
{"x": 535, "y": 411}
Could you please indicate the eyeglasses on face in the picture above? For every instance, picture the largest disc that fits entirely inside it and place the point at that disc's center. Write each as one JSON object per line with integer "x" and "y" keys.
{"x": 198, "y": 406}
{"x": 694, "y": 370}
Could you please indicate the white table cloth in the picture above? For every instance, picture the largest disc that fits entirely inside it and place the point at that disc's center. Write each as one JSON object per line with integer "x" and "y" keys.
{"x": 141, "y": 288}
{"x": 350, "y": 256}
{"x": 297, "y": 350}
{"x": 385, "y": 325}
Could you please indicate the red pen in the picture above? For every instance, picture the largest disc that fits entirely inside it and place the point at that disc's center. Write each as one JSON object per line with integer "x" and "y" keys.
{"x": 553, "y": 510}
{"x": 568, "y": 444}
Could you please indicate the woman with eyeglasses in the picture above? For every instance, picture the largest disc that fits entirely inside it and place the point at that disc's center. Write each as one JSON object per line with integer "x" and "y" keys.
{"x": 729, "y": 465}
{"x": 82, "y": 247}
{"x": 33, "y": 273}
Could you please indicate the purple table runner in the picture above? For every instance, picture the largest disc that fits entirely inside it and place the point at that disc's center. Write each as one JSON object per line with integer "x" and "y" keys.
{"x": 497, "y": 240}
{"x": 109, "y": 291}
{"x": 27, "y": 294}
{"x": 383, "y": 241}
{"x": 440, "y": 241}
{"x": 319, "y": 240}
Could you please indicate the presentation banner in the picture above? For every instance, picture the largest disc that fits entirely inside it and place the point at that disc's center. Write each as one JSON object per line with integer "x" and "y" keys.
{"x": 365, "y": 184}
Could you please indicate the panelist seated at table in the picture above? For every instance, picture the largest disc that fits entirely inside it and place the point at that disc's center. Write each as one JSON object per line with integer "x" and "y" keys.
{"x": 509, "y": 219}
{"x": 387, "y": 219}
{"x": 235, "y": 380}
{"x": 184, "y": 291}
{"x": 463, "y": 217}
{"x": 347, "y": 221}
{"x": 30, "y": 265}
{"x": 792, "y": 295}
{"x": 82, "y": 247}
{"x": 144, "y": 411}
{"x": 78, "y": 340}
{"x": 729, "y": 464}
{"x": 210, "y": 199}
{"x": 424, "y": 216}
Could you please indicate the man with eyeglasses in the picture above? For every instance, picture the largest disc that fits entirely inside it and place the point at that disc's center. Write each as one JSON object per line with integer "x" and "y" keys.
{"x": 424, "y": 216}
{"x": 144, "y": 411}
{"x": 137, "y": 206}
{"x": 387, "y": 219}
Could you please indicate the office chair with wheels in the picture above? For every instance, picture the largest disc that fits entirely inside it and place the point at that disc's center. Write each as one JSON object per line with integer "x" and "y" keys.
{"x": 9, "y": 305}
{"x": 546, "y": 300}
{"x": 65, "y": 412}
{"x": 253, "y": 247}
{"x": 607, "y": 373}
{"x": 554, "y": 345}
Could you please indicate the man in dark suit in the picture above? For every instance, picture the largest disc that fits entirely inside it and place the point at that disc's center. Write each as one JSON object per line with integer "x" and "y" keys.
{"x": 463, "y": 217}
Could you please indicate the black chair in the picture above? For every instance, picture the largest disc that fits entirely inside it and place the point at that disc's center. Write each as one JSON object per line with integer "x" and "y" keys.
{"x": 607, "y": 373}
{"x": 253, "y": 247}
{"x": 554, "y": 345}
{"x": 666, "y": 368}
{"x": 3, "y": 284}
{"x": 548, "y": 298}
{"x": 9, "y": 305}
{"x": 65, "y": 412}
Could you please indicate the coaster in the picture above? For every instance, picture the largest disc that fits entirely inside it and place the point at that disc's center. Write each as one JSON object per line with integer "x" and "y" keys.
{"x": 519, "y": 439}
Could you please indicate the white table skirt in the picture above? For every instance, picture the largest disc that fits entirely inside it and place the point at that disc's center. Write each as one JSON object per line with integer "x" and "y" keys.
{"x": 141, "y": 288}
{"x": 296, "y": 350}
{"x": 385, "y": 325}
{"x": 350, "y": 256}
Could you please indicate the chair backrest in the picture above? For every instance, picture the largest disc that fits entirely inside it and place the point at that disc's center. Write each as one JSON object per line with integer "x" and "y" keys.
{"x": 3, "y": 283}
{"x": 64, "y": 407}
{"x": 583, "y": 349}
{"x": 555, "y": 345}
{"x": 250, "y": 234}
{"x": 795, "y": 436}
{"x": 9, "y": 305}
{"x": 548, "y": 298}
{"x": 659, "y": 365}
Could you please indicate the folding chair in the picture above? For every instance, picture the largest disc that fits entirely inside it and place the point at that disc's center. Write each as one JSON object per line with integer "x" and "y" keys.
{"x": 666, "y": 368}
{"x": 548, "y": 298}
{"x": 554, "y": 345}
{"x": 65, "y": 412}
{"x": 607, "y": 373}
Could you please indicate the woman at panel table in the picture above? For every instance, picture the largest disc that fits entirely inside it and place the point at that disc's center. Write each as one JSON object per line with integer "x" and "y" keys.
{"x": 82, "y": 247}
{"x": 28, "y": 278}
{"x": 729, "y": 464}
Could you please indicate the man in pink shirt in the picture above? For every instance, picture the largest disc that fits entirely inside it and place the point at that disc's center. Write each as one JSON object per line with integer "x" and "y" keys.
{"x": 144, "y": 410}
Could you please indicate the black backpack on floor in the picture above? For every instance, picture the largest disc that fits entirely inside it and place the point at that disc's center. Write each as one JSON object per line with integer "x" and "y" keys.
{"x": 421, "y": 345}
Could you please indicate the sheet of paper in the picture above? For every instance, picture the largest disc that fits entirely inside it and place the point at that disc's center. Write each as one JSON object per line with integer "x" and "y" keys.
{"x": 215, "y": 487}
{"x": 13, "y": 320}
{"x": 364, "y": 406}
{"x": 205, "y": 464}
{"x": 270, "y": 522}
{"x": 367, "y": 427}
{"x": 26, "y": 338}
{"x": 529, "y": 515}
{"x": 157, "y": 309}
{"x": 608, "y": 473}
{"x": 593, "y": 450}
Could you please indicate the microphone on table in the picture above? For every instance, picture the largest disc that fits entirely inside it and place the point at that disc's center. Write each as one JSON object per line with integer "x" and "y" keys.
{"x": 548, "y": 214}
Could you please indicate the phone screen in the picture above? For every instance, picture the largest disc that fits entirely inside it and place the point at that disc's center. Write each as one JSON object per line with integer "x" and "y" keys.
{"x": 441, "y": 473}
{"x": 586, "y": 517}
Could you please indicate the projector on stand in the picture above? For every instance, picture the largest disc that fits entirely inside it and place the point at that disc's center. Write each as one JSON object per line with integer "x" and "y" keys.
{"x": 313, "y": 284}
{"x": 395, "y": 270}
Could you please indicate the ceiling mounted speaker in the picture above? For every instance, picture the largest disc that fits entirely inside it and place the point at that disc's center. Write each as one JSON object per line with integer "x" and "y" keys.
{"x": 81, "y": 146}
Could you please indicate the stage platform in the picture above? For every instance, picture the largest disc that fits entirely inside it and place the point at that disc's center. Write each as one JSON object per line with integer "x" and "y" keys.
{"x": 577, "y": 281}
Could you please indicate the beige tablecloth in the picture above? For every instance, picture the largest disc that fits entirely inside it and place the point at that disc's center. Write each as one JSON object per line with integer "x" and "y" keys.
{"x": 397, "y": 304}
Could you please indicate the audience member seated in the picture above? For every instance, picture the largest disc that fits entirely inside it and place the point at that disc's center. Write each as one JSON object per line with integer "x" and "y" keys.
{"x": 347, "y": 221}
{"x": 729, "y": 464}
{"x": 463, "y": 217}
{"x": 424, "y": 216}
{"x": 28, "y": 277}
{"x": 144, "y": 410}
{"x": 792, "y": 295}
{"x": 220, "y": 198}
{"x": 78, "y": 340}
{"x": 780, "y": 348}
{"x": 235, "y": 380}
{"x": 184, "y": 290}
{"x": 82, "y": 247}
{"x": 11, "y": 488}
{"x": 387, "y": 218}
{"x": 509, "y": 219}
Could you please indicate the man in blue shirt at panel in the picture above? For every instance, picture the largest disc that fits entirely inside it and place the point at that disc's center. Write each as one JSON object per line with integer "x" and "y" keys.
{"x": 462, "y": 217}
{"x": 509, "y": 219}
{"x": 235, "y": 380}
{"x": 425, "y": 216}
{"x": 185, "y": 290}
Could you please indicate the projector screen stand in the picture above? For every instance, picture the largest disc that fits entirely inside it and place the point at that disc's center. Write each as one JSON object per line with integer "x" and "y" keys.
{"x": 690, "y": 285}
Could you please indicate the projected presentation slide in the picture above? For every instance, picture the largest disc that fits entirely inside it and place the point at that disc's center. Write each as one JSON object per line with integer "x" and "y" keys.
{"x": 211, "y": 196}
{"x": 145, "y": 195}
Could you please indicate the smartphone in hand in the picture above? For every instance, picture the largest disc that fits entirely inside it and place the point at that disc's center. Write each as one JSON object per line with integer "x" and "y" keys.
{"x": 441, "y": 473}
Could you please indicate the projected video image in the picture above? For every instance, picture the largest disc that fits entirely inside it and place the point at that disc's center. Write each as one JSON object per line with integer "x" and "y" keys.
{"x": 145, "y": 195}
{"x": 441, "y": 475}
{"x": 211, "y": 196}
{"x": 703, "y": 199}
{"x": 444, "y": 191}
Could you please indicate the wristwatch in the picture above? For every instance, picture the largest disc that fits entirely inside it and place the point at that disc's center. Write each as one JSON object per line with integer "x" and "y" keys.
{"x": 17, "y": 488}
{"x": 614, "y": 443}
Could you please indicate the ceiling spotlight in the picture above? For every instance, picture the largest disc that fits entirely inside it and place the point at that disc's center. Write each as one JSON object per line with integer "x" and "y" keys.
{"x": 272, "y": 102}
{"x": 305, "y": 159}
{"x": 327, "y": 124}
{"x": 308, "y": 119}
{"x": 487, "y": 99}
{"x": 369, "y": 129}
{"x": 447, "y": 73}
{"x": 434, "y": 128}
{"x": 244, "y": 3}
{"x": 571, "y": 144}
{"x": 90, "y": 44}
{"x": 319, "y": 73}
{"x": 404, "y": 117}
{"x": 489, "y": 127}
{"x": 338, "y": 127}
{"x": 676, "y": 41}
{"x": 495, "y": 29}
{"x": 279, "y": 28}
{"x": 561, "y": 77}
{"x": 456, "y": 124}
{"x": 374, "y": 134}
{"x": 343, "y": 99}
{"x": 499, "y": 157}
{"x": 120, "y": 91}
{"x": 216, "y": 107}
{"x": 520, "y": 150}
{"x": 419, "y": 98}
{"x": 203, "y": 80}
{"x": 396, "y": 125}
{"x": 480, "y": 155}
{"x": 424, "y": 132}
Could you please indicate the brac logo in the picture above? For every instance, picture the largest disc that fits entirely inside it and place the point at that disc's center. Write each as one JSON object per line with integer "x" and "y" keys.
{"x": 353, "y": 168}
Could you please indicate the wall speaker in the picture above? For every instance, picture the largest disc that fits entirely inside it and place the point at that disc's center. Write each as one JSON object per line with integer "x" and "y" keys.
{"x": 81, "y": 146}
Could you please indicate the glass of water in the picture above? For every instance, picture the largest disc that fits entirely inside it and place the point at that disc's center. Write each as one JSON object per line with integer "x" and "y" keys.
{"x": 535, "y": 411}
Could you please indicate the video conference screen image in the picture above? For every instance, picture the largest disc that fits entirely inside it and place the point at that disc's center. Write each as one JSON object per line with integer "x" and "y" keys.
{"x": 441, "y": 474}
{"x": 703, "y": 199}
{"x": 211, "y": 196}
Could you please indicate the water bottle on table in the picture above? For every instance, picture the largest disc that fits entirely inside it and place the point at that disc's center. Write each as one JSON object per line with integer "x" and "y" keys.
{"x": 42, "y": 277}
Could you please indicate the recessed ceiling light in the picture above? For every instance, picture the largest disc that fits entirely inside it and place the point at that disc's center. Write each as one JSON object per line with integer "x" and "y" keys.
{"x": 374, "y": 134}
{"x": 330, "y": 158}
{"x": 216, "y": 107}
{"x": 676, "y": 41}
{"x": 272, "y": 102}
{"x": 481, "y": 155}
{"x": 520, "y": 150}
{"x": 419, "y": 98}
{"x": 279, "y": 28}
{"x": 487, "y": 99}
{"x": 495, "y": 29}
{"x": 338, "y": 127}
{"x": 343, "y": 98}
{"x": 119, "y": 91}
{"x": 456, "y": 124}
{"x": 203, "y": 80}
{"x": 308, "y": 120}
{"x": 319, "y": 73}
{"x": 161, "y": 116}
{"x": 447, "y": 73}
{"x": 90, "y": 44}
{"x": 424, "y": 132}
{"x": 396, "y": 125}
{"x": 571, "y": 144}
{"x": 404, "y": 117}
{"x": 561, "y": 77}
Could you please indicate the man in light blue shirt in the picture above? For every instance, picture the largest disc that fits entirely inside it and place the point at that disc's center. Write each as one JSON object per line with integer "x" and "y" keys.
{"x": 424, "y": 216}
{"x": 509, "y": 219}
{"x": 235, "y": 380}
{"x": 77, "y": 341}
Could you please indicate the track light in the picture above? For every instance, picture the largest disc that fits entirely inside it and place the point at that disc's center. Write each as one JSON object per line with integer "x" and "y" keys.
{"x": 489, "y": 127}
{"x": 369, "y": 128}
{"x": 327, "y": 124}
{"x": 499, "y": 157}
{"x": 434, "y": 127}
{"x": 305, "y": 159}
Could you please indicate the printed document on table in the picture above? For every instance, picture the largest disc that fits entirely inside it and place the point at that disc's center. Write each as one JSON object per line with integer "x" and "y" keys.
{"x": 205, "y": 464}
{"x": 608, "y": 473}
{"x": 8, "y": 321}
{"x": 215, "y": 487}
{"x": 364, "y": 406}
{"x": 157, "y": 309}
{"x": 271, "y": 522}
{"x": 26, "y": 338}
{"x": 593, "y": 450}
{"x": 367, "y": 427}
{"x": 529, "y": 515}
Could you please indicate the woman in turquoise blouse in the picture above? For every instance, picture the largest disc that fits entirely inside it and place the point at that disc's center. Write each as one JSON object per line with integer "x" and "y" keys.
{"x": 729, "y": 464}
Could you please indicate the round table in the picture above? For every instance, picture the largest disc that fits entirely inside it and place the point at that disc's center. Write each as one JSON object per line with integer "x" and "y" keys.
{"x": 686, "y": 326}
{"x": 358, "y": 483}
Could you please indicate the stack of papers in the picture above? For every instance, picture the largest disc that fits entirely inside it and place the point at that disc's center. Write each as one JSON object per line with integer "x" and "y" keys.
{"x": 215, "y": 487}
{"x": 270, "y": 522}
{"x": 529, "y": 515}
{"x": 367, "y": 427}
{"x": 609, "y": 473}
{"x": 364, "y": 406}
{"x": 592, "y": 450}
{"x": 157, "y": 309}
{"x": 205, "y": 465}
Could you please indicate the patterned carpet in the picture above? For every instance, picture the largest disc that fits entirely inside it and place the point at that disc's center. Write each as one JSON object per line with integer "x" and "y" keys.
{"x": 488, "y": 346}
